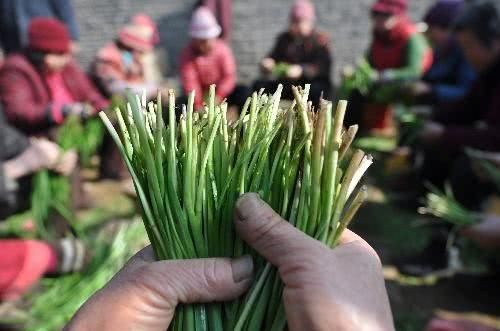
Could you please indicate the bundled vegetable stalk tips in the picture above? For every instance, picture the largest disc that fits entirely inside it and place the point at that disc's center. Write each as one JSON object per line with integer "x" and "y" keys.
{"x": 444, "y": 205}
{"x": 189, "y": 172}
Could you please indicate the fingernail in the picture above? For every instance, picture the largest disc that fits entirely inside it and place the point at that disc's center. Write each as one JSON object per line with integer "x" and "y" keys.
{"x": 242, "y": 268}
{"x": 246, "y": 205}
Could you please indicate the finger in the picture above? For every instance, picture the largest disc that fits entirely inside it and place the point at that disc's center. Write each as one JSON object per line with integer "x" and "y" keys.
{"x": 204, "y": 280}
{"x": 143, "y": 295}
{"x": 349, "y": 238}
{"x": 274, "y": 238}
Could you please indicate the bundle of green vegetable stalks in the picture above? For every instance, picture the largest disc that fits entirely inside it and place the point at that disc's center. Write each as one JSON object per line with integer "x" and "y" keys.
{"x": 56, "y": 300}
{"x": 52, "y": 192}
{"x": 444, "y": 205}
{"x": 188, "y": 174}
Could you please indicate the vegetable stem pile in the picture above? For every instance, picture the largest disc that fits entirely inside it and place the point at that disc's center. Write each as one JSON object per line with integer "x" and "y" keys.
{"x": 444, "y": 205}
{"x": 189, "y": 171}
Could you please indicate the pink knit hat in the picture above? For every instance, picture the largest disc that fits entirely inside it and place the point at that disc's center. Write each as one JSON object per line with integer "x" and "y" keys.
{"x": 203, "y": 24}
{"x": 392, "y": 7}
{"x": 137, "y": 37}
{"x": 146, "y": 20}
{"x": 302, "y": 10}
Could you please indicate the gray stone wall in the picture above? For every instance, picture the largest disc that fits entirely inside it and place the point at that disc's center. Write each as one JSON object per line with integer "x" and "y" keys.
{"x": 255, "y": 25}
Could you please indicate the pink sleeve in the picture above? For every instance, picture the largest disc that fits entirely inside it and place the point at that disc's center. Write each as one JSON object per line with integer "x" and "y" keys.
{"x": 57, "y": 112}
{"x": 228, "y": 66}
{"x": 189, "y": 78}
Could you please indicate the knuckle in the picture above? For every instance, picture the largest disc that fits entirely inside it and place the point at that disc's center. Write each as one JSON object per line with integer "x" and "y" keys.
{"x": 269, "y": 227}
{"x": 211, "y": 274}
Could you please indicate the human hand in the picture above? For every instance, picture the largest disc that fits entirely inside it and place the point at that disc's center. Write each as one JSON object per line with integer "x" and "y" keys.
{"x": 431, "y": 131}
{"x": 144, "y": 294}
{"x": 53, "y": 158}
{"x": 419, "y": 89}
{"x": 486, "y": 234}
{"x": 80, "y": 109}
{"x": 324, "y": 289}
{"x": 267, "y": 64}
{"x": 295, "y": 71}
{"x": 46, "y": 151}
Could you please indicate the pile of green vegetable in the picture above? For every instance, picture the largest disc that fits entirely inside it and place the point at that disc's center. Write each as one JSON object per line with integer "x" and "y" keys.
{"x": 444, "y": 205}
{"x": 365, "y": 80}
{"x": 51, "y": 192}
{"x": 280, "y": 69}
{"x": 53, "y": 304}
{"x": 189, "y": 172}
{"x": 359, "y": 78}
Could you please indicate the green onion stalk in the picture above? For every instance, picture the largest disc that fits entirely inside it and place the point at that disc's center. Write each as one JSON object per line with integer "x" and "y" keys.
{"x": 444, "y": 205}
{"x": 281, "y": 69}
{"x": 492, "y": 171}
{"x": 52, "y": 192}
{"x": 189, "y": 172}
{"x": 53, "y": 304}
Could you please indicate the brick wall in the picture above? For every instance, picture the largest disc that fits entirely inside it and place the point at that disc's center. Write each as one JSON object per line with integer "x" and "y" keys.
{"x": 256, "y": 23}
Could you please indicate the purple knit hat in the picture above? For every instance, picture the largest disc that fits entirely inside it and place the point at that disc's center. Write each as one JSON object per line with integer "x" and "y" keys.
{"x": 444, "y": 13}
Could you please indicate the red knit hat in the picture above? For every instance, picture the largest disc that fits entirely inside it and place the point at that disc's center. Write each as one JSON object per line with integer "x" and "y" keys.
{"x": 48, "y": 35}
{"x": 392, "y": 7}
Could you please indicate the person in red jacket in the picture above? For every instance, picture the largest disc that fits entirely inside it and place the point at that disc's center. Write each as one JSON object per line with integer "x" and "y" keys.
{"x": 398, "y": 53}
{"x": 207, "y": 60}
{"x": 120, "y": 67}
{"x": 41, "y": 87}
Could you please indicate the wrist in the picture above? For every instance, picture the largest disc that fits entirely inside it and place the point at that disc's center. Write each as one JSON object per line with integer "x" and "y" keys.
{"x": 15, "y": 169}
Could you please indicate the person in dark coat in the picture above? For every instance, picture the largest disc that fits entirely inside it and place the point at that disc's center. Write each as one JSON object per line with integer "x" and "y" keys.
{"x": 301, "y": 55}
{"x": 15, "y": 16}
{"x": 474, "y": 121}
{"x": 450, "y": 76}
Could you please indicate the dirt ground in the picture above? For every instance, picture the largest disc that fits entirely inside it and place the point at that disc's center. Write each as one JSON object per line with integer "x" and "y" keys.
{"x": 396, "y": 230}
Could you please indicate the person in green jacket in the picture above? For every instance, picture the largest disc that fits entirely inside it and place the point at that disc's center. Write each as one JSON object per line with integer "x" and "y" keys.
{"x": 397, "y": 54}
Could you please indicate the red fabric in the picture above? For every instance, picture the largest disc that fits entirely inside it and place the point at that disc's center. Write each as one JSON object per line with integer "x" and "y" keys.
{"x": 136, "y": 37}
{"x": 26, "y": 98}
{"x": 110, "y": 69}
{"x": 48, "y": 35}
{"x": 377, "y": 116}
{"x": 198, "y": 72}
{"x": 387, "y": 51}
{"x": 22, "y": 264}
{"x": 394, "y": 7}
{"x": 60, "y": 95}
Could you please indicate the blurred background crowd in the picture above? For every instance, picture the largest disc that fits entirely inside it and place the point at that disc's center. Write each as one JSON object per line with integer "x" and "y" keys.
{"x": 423, "y": 83}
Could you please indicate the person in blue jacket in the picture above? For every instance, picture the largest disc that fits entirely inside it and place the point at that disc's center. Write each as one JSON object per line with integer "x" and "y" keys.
{"x": 15, "y": 16}
{"x": 450, "y": 76}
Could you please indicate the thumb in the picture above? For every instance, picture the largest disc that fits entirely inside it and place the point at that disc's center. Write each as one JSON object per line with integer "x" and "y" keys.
{"x": 270, "y": 235}
{"x": 144, "y": 294}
